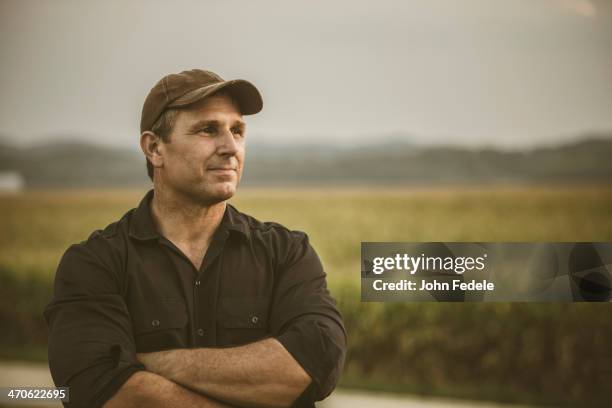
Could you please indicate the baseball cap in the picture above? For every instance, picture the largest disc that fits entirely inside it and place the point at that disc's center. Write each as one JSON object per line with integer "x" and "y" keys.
{"x": 187, "y": 87}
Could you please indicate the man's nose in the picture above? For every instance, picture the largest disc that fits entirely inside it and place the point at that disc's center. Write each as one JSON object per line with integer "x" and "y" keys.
{"x": 227, "y": 144}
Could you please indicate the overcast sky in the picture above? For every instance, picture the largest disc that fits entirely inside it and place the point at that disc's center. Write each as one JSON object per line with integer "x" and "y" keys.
{"x": 477, "y": 72}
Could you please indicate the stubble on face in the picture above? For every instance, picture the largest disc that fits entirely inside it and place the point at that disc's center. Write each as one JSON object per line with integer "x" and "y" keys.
{"x": 204, "y": 158}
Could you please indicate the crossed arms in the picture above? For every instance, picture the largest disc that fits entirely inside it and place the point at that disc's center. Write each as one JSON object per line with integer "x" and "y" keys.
{"x": 260, "y": 374}
{"x": 92, "y": 348}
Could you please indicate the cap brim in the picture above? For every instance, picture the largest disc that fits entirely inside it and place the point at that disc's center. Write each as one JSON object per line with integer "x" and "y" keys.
{"x": 247, "y": 96}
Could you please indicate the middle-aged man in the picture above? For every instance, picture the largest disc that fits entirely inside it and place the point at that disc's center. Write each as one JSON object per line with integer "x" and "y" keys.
{"x": 185, "y": 301}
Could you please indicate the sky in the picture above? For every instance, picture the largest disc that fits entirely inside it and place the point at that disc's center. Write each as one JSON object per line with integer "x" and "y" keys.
{"x": 504, "y": 73}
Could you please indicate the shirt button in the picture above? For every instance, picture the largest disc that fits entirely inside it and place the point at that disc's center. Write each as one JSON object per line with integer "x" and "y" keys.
{"x": 201, "y": 332}
{"x": 197, "y": 283}
{"x": 155, "y": 323}
{"x": 254, "y": 319}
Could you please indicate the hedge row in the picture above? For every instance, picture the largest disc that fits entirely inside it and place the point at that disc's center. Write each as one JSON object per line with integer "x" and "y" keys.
{"x": 557, "y": 354}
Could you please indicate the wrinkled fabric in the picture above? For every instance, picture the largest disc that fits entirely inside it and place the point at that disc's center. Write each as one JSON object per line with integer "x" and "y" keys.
{"x": 129, "y": 290}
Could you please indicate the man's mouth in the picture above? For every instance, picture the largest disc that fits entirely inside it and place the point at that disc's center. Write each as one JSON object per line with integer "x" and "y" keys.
{"x": 222, "y": 171}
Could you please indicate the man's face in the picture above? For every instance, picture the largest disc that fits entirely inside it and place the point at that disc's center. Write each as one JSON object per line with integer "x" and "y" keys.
{"x": 204, "y": 157}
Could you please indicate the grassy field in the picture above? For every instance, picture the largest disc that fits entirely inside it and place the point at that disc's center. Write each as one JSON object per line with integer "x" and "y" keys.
{"x": 526, "y": 353}
{"x": 36, "y": 227}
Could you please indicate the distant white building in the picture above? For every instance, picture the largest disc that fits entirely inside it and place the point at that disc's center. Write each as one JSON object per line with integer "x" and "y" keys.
{"x": 11, "y": 181}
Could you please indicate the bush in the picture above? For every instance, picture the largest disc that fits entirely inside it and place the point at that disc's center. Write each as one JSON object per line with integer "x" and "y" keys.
{"x": 519, "y": 352}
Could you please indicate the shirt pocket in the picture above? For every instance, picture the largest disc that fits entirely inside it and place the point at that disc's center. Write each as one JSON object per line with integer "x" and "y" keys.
{"x": 161, "y": 326}
{"x": 242, "y": 320}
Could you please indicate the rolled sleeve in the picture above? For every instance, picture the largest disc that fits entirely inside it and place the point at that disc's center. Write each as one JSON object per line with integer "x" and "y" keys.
{"x": 91, "y": 346}
{"x": 307, "y": 323}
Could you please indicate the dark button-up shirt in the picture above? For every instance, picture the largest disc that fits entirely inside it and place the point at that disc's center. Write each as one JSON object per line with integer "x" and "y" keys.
{"x": 127, "y": 289}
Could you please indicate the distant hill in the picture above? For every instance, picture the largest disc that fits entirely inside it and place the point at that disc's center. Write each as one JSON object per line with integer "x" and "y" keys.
{"x": 589, "y": 160}
{"x": 77, "y": 164}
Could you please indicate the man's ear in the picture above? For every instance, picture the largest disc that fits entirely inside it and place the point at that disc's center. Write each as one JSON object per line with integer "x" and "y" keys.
{"x": 150, "y": 145}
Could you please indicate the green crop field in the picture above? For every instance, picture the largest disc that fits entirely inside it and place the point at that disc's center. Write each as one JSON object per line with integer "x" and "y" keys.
{"x": 36, "y": 227}
{"x": 528, "y": 353}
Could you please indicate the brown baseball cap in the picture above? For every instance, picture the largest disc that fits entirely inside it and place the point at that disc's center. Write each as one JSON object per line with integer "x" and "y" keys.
{"x": 180, "y": 90}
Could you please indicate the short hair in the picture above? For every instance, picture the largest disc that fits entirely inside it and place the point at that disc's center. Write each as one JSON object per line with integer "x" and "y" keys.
{"x": 163, "y": 128}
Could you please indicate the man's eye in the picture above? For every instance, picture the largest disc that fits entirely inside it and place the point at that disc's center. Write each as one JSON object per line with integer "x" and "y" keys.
{"x": 237, "y": 131}
{"x": 207, "y": 129}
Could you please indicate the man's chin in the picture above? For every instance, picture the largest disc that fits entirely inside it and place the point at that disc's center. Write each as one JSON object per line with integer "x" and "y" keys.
{"x": 209, "y": 194}
{"x": 222, "y": 192}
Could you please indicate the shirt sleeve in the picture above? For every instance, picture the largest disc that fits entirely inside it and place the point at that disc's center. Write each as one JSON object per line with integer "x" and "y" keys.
{"x": 91, "y": 346}
{"x": 305, "y": 320}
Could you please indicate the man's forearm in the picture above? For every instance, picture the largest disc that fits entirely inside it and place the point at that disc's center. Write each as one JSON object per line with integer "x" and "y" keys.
{"x": 260, "y": 374}
{"x": 145, "y": 389}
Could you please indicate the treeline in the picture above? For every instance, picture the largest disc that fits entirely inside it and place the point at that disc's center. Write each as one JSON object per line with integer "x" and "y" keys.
{"x": 584, "y": 161}
{"x": 71, "y": 164}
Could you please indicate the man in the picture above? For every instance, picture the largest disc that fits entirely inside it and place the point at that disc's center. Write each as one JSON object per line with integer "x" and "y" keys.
{"x": 185, "y": 301}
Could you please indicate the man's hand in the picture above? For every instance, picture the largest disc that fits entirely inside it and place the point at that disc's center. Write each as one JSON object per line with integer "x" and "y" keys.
{"x": 144, "y": 389}
{"x": 260, "y": 374}
{"x": 152, "y": 361}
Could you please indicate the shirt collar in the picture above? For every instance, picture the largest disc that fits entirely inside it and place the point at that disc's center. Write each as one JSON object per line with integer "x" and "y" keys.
{"x": 142, "y": 226}
{"x": 234, "y": 220}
